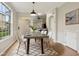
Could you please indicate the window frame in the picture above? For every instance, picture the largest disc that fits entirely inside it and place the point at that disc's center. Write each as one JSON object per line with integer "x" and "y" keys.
{"x": 11, "y": 22}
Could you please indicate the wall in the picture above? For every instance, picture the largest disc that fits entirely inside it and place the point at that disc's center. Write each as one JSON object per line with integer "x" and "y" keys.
{"x": 8, "y": 41}
{"x": 23, "y": 24}
{"x": 68, "y": 34}
{"x": 38, "y": 22}
{"x": 25, "y": 21}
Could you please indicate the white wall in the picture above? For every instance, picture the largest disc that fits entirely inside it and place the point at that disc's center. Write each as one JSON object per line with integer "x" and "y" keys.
{"x": 23, "y": 23}
{"x": 68, "y": 34}
{"x": 8, "y": 41}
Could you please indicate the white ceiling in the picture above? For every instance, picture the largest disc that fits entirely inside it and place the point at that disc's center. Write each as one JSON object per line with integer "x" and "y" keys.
{"x": 40, "y": 7}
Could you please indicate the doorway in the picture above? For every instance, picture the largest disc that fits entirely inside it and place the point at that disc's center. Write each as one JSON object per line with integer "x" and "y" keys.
{"x": 52, "y": 25}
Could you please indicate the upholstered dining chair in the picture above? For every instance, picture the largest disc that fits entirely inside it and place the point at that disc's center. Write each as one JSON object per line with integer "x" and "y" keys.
{"x": 49, "y": 33}
{"x": 21, "y": 41}
{"x": 43, "y": 31}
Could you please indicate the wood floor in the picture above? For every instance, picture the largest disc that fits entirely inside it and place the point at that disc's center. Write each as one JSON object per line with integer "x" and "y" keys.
{"x": 68, "y": 51}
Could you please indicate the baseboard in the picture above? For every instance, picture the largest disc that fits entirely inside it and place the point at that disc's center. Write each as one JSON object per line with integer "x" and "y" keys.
{"x": 78, "y": 51}
{"x": 72, "y": 49}
{"x": 5, "y": 51}
{"x": 68, "y": 47}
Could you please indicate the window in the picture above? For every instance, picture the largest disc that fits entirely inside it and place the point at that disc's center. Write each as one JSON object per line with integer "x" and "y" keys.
{"x": 5, "y": 20}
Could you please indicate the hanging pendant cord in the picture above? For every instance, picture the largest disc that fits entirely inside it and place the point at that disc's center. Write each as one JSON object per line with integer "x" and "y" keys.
{"x": 33, "y": 5}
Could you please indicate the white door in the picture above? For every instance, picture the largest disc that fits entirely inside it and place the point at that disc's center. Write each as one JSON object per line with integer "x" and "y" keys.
{"x": 52, "y": 25}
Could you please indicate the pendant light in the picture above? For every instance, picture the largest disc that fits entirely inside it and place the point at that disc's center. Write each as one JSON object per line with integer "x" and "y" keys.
{"x": 33, "y": 11}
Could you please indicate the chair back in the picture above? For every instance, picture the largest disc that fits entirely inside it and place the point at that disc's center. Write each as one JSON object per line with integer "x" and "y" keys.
{"x": 20, "y": 37}
{"x": 50, "y": 33}
{"x": 44, "y": 31}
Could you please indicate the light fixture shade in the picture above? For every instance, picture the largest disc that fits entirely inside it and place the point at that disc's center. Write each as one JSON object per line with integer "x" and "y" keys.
{"x": 33, "y": 12}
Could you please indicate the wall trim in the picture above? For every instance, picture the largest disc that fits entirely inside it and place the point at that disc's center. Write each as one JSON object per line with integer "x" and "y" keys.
{"x": 6, "y": 49}
{"x": 72, "y": 49}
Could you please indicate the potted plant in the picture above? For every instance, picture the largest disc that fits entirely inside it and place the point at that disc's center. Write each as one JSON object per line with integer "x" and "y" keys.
{"x": 33, "y": 28}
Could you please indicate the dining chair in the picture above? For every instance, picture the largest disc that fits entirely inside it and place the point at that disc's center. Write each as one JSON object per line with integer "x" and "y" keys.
{"x": 50, "y": 33}
{"x": 46, "y": 40}
{"x": 21, "y": 40}
{"x": 45, "y": 32}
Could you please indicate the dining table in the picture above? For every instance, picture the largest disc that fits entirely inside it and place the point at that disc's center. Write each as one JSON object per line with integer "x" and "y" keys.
{"x": 35, "y": 35}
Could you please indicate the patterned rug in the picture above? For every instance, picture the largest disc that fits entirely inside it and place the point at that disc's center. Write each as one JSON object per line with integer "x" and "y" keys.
{"x": 34, "y": 50}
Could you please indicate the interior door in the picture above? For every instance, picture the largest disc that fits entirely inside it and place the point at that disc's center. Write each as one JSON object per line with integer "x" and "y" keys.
{"x": 52, "y": 25}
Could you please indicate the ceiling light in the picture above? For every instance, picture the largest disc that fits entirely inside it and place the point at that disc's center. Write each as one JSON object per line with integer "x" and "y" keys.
{"x": 33, "y": 13}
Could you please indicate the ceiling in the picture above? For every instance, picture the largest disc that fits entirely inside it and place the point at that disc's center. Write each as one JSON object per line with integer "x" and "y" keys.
{"x": 40, "y": 7}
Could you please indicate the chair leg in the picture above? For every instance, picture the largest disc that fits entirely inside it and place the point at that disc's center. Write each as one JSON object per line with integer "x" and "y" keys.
{"x": 35, "y": 39}
{"x": 25, "y": 47}
{"x": 18, "y": 47}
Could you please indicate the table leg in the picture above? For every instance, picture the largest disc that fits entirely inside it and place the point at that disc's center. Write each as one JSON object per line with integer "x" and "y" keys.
{"x": 42, "y": 50}
{"x": 28, "y": 43}
{"x": 35, "y": 39}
